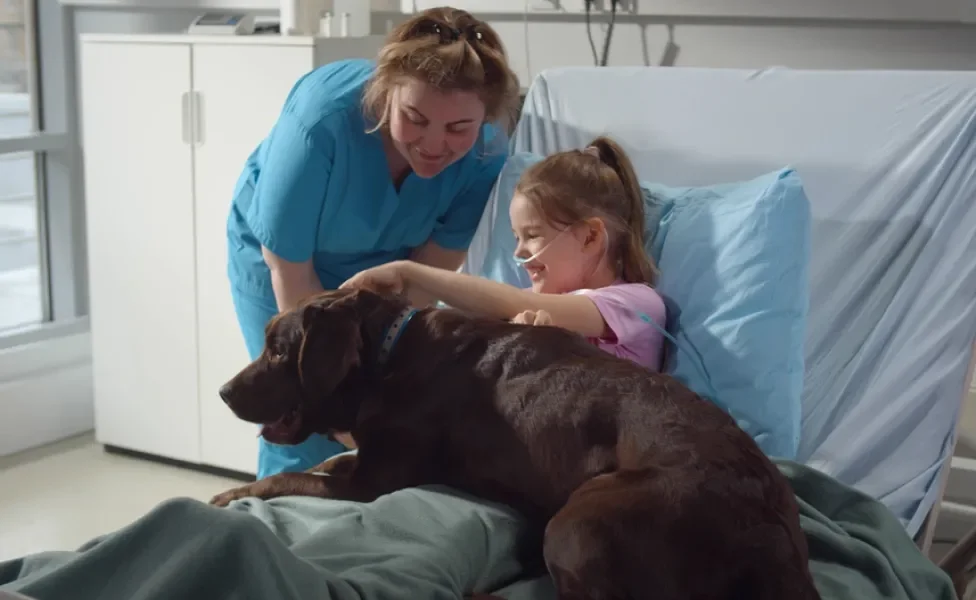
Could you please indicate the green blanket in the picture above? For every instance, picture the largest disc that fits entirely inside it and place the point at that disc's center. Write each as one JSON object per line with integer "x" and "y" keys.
{"x": 427, "y": 543}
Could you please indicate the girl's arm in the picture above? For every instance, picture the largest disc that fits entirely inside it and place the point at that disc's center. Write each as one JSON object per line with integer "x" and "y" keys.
{"x": 433, "y": 255}
{"x": 483, "y": 296}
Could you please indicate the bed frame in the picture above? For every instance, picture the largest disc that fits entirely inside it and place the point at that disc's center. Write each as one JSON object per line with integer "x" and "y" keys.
{"x": 960, "y": 560}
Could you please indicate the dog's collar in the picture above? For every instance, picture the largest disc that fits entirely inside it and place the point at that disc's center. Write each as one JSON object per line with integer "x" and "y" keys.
{"x": 393, "y": 332}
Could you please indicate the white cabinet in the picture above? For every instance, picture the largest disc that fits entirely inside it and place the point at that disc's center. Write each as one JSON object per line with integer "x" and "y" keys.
{"x": 234, "y": 116}
{"x": 168, "y": 122}
{"x": 139, "y": 212}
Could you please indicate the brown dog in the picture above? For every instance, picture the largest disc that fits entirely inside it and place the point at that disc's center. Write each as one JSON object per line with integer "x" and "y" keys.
{"x": 643, "y": 488}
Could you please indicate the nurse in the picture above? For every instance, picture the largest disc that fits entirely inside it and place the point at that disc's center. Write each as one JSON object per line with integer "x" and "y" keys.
{"x": 368, "y": 163}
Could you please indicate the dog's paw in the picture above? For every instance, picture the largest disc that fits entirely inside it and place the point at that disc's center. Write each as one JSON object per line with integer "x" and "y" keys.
{"x": 229, "y": 496}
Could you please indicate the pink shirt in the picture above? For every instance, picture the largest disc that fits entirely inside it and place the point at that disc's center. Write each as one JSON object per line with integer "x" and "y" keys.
{"x": 628, "y": 309}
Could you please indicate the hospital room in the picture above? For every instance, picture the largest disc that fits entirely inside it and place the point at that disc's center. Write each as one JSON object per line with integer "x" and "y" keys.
{"x": 488, "y": 299}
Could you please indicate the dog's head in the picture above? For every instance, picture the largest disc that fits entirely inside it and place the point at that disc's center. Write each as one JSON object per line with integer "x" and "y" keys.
{"x": 294, "y": 388}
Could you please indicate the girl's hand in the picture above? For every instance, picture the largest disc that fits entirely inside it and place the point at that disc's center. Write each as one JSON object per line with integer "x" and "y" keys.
{"x": 531, "y": 317}
{"x": 383, "y": 279}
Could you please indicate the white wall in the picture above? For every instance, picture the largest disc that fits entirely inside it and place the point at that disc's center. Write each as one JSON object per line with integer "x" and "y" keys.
{"x": 541, "y": 40}
{"x": 544, "y": 39}
{"x": 848, "y": 10}
{"x": 45, "y": 391}
{"x": 743, "y": 44}
{"x": 891, "y": 34}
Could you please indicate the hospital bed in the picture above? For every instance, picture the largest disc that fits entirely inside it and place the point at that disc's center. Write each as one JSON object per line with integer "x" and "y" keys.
{"x": 888, "y": 163}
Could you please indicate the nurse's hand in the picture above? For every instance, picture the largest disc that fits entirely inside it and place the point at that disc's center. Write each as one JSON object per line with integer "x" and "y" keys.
{"x": 384, "y": 279}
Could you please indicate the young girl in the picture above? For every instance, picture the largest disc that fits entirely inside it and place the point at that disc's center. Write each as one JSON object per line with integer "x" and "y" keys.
{"x": 578, "y": 217}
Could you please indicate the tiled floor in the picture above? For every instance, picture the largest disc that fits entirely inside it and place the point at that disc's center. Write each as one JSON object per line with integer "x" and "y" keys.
{"x": 60, "y": 496}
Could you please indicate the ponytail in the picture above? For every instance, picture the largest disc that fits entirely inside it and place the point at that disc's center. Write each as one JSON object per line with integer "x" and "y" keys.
{"x": 636, "y": 265}
{"x": 598, "y": 181}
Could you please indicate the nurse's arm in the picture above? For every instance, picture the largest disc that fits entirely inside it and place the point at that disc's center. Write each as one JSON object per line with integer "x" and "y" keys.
{"x": 292, "y": 282}
{"x": 433, "y": 255}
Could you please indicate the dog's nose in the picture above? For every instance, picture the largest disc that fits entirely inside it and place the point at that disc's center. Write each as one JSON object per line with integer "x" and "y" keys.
{"x": 225, "y": 393}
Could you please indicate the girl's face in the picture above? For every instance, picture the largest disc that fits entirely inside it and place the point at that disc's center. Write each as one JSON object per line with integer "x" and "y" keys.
{"x": 432, "y": 128}
{"x": 563, "y": 256}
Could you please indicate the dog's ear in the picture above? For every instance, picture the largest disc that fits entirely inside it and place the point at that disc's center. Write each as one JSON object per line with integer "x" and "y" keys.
{"x": 330, "y": 346}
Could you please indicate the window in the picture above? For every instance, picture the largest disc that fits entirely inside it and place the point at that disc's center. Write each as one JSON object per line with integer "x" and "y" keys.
{"x": 21, "y": 288}
{"x": 21, "y": 285}
{"x": 41, "y": 222}
{"x": 13, "y": 65}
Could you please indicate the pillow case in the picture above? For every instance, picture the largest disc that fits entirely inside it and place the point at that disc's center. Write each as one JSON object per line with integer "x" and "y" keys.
{"x": 734, "y": 262}
{"x": 493, "y": 247}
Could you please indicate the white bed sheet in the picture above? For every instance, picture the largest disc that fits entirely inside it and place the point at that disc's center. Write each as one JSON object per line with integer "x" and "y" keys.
{"x": 888, "y": 160}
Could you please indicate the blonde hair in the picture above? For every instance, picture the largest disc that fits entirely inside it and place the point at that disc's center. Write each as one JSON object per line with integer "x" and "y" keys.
{"x": 598, "y": 181}
{"x": 450, "y": 50}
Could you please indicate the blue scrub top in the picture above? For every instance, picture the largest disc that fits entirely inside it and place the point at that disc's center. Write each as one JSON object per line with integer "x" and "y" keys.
{"x": 318, "y": 187}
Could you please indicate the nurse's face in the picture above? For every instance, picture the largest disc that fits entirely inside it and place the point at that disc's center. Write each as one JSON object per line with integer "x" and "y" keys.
{"x": 432, "y": 128}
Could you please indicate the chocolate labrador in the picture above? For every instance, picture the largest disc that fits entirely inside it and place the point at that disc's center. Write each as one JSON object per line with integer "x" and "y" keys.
{"x": 637, "y": 487}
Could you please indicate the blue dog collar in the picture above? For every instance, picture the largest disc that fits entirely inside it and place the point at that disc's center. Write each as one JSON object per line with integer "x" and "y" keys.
{"x": 393, "y": 333}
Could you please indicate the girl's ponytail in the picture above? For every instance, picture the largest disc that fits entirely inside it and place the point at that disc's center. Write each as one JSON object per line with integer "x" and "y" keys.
{"x": 636, "y": 265}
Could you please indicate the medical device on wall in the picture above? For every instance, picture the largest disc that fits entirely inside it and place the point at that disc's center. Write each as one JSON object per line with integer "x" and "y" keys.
{"x": 230, "y": 23}
{"x": 601, "y": 60}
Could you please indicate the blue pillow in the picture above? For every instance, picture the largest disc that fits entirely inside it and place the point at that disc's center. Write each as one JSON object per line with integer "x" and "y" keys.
{"x": 734, "y": 262}
{"x": 499, "y": 264}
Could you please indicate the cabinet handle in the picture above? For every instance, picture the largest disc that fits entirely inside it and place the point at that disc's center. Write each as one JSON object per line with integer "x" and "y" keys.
{"x": 187, "y": 118}
{"x": 197, "y": 118}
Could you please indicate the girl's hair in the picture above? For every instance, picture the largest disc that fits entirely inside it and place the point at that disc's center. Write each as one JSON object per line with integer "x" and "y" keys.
{"x": 598, "y": 181}
{"x": 450, "y": 50}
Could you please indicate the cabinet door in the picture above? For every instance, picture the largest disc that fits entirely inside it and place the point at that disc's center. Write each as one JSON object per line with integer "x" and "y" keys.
{"x": 239, "y": 92}
{"x": 141, "y": 261}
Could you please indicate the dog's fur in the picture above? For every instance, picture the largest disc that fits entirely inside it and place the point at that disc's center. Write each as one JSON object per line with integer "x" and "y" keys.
{"x": 643, "y": 489}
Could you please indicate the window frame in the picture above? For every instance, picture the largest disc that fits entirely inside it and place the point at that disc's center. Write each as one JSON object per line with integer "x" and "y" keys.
{"x": 58, "y": 184}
